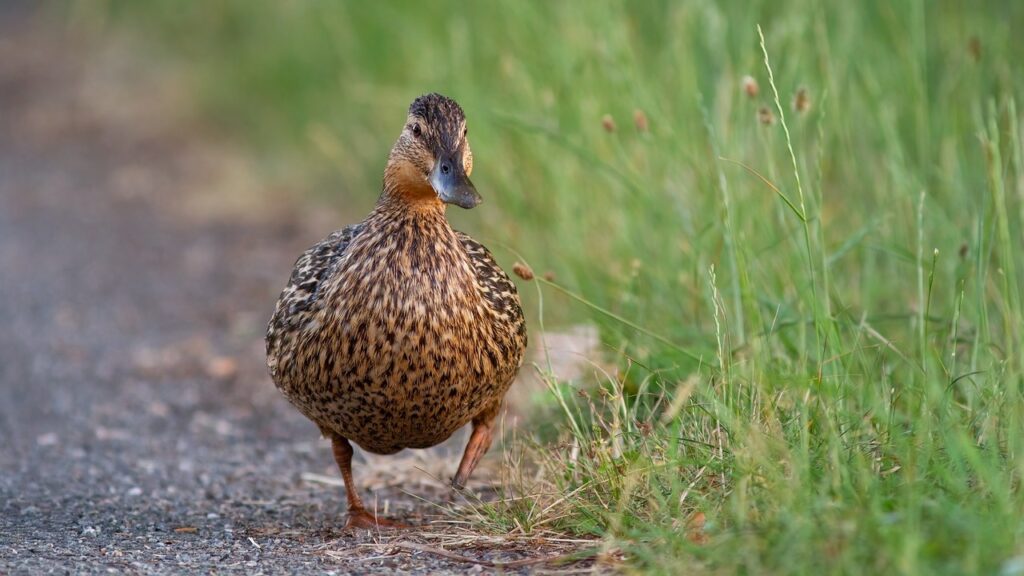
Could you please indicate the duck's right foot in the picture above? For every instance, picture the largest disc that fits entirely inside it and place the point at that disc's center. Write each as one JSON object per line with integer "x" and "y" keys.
{"x": 362, "y": 518}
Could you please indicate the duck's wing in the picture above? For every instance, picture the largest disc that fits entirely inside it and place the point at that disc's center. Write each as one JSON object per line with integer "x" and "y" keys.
{"x": 497, "y": 288}
{"x": 299, "y": 301}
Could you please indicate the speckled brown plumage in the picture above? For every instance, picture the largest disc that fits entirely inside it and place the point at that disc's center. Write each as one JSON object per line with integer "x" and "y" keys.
{"x": 397, "y": 331}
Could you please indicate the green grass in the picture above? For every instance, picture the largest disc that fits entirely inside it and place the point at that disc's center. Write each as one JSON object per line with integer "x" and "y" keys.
{"x": 849, "y": 281}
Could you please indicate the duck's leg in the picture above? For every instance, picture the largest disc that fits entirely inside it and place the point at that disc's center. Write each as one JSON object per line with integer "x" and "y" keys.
{"x": 479, "y": 442}
{"x": 358, "y": 516}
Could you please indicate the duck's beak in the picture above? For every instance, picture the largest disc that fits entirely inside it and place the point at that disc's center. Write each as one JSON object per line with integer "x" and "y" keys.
{"x": 449, "y": 180}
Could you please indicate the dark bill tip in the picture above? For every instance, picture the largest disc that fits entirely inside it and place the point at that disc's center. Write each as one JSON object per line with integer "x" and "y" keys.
{"x": 454, "y": 187}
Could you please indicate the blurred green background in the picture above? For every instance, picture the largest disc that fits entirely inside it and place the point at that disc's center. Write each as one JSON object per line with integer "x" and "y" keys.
{"x": 320, "y": 90}
{"x": 857, "y": 394}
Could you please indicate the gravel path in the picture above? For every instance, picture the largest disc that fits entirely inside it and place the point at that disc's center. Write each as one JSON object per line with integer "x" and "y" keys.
{"x": 140, "y": 431}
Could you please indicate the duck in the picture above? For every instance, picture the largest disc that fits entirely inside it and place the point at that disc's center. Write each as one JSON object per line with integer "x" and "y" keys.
{"x": 397, "y": 331}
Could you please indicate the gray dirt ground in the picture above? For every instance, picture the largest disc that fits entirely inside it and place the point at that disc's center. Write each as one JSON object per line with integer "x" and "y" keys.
{"x": 140, "y": 432}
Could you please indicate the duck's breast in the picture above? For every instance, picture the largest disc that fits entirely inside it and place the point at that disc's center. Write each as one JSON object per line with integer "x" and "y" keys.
{"x": 409, "y": 350}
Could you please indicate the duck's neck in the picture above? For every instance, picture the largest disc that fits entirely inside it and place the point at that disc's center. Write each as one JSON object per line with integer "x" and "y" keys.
{"x": 406, "y": 190}
{"x": 409, "y": 232}
{"x": 405, "y": 206}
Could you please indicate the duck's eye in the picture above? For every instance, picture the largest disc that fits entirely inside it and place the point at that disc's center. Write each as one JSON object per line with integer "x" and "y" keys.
{"x": 416, "y": 130}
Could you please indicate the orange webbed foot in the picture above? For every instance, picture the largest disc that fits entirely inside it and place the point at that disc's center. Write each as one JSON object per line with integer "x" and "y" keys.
{"x": 364, "y": 519}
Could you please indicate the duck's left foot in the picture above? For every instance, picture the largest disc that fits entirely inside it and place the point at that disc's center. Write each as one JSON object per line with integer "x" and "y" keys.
{"x": 362, "y": 518}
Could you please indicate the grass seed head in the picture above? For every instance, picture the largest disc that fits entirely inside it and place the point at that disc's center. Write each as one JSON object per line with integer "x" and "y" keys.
{"x": 750, "y": 87}
{"x": 974, "y": 48}
{"x": 802, "y": 100}
{"x": 608, "y": 123}
{"x": 640, "y": 120}
{"x": 522, "y": 270}
{"x": 765, "y": 116}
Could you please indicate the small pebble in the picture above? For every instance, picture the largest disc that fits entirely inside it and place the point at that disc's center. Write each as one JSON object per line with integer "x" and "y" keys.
{"x": 48, "y": 439}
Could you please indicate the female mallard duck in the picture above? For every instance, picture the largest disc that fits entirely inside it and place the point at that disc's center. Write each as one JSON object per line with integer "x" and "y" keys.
{"x": 395, "y": 332}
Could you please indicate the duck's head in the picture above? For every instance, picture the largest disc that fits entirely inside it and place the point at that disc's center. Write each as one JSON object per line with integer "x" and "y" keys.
{"x": 431, "y": 160}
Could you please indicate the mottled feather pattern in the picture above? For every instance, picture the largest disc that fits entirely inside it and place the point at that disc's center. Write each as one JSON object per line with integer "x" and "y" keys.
{"x": 396, "y": 332}
{"x": 495, "y": 286}
{"x": 296, "y": 306}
